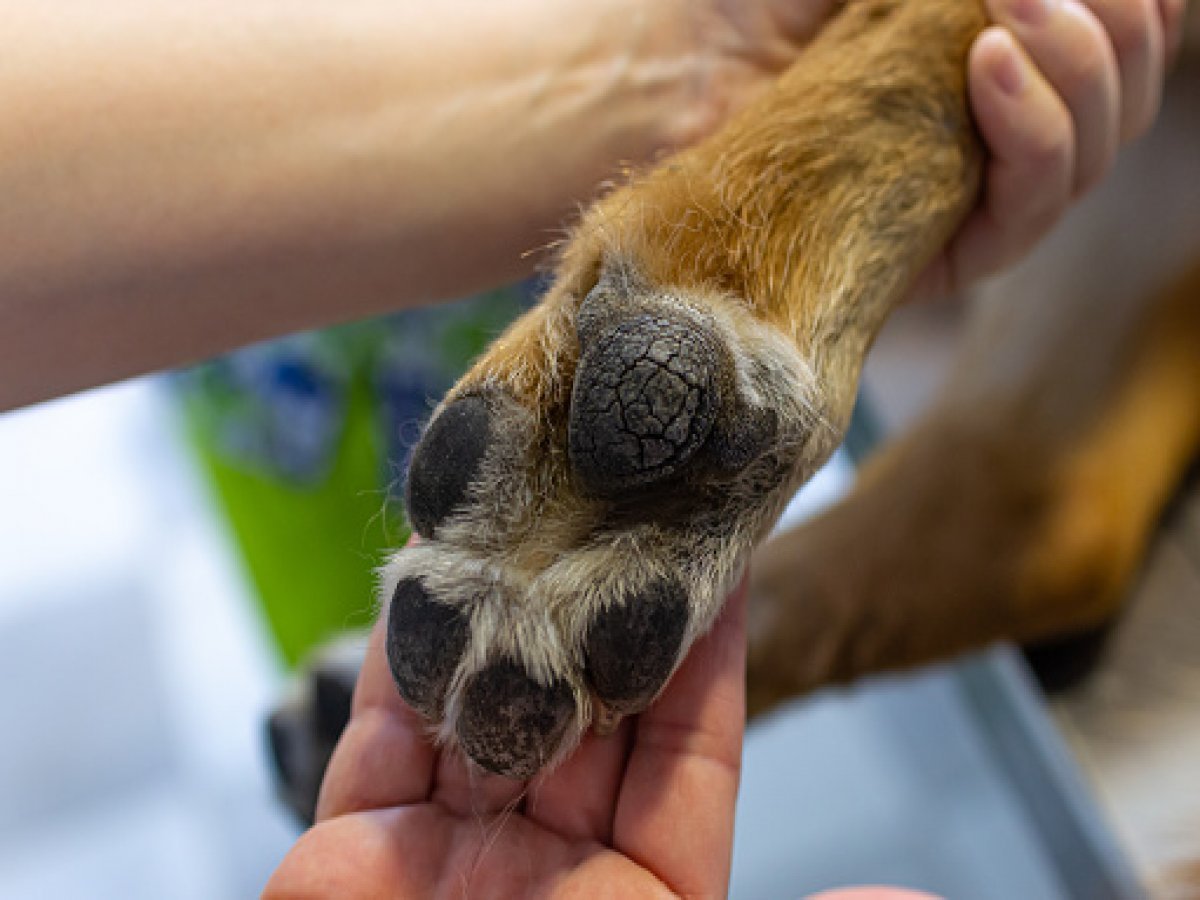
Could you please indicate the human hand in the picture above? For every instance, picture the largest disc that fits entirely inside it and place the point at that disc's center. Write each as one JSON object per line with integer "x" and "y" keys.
{"x": 1056, "y": 86}
{"x": 645, "y": 812}
{"x": 741, "y": 47}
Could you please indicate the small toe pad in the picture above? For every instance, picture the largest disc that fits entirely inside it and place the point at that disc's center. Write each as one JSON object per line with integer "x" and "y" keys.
{"x": 446, "y": 461}
{"x": 510, "y": 724}
{"x": 425, "y": 641}
{"x": 631, "y": 649}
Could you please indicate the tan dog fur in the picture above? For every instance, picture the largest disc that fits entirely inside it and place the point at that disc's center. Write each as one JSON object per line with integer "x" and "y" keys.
{"x": 1022, "y": 504}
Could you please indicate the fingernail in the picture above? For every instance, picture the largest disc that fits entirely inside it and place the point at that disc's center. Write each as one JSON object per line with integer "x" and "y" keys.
{"x": 1008, "y": 73}
{"x": 1030, "y": 12}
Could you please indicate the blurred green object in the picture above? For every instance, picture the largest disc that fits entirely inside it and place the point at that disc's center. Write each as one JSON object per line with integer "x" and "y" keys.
{"x": 305, "y": 441}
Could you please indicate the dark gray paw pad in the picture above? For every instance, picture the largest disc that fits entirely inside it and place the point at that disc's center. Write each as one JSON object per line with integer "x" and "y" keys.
{"x": 425, "y": 641}
{"x": 445, "y": 462}
{"x": 631, "y": 649}
{"x": 510, "y": 724}
{"x": 644, "y": 401}
{"x": 747, "y": 433}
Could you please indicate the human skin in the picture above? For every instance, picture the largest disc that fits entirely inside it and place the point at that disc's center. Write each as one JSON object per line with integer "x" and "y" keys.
{"x": 182, "y": 179}
{"x": 179, "y": 180}
{"x": 416, "y": 859}
{"x": 397, "y": 818}
{"x": 645, "y": 812}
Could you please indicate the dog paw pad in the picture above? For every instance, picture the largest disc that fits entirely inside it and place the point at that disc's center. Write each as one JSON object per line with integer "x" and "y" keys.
{"x": 425, "y": 641}
{"x": 643, "y": 403}
{"x": 509, "y": 723}
{"x": 446, "y": 461}
{"x": 631, "y": 648}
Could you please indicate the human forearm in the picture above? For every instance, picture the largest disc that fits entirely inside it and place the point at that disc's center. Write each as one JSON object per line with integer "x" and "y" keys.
{"x": 178, "y": 181}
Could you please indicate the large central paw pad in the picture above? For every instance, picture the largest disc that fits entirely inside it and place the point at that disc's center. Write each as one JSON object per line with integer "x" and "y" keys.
{"x": 644, "y": 402}
{"x": 580, "y": 536}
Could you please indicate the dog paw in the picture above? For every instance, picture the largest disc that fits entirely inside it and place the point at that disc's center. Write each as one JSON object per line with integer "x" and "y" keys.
{"x": 592, "y": 488}
{"x": 586, "y": 497}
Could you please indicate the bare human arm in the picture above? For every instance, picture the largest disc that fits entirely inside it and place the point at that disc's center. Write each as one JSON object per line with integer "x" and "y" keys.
{"x": 180, "y": 179}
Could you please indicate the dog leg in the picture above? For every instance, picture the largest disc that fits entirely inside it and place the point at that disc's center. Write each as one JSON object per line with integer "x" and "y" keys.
{"x": 592, "y": 488}
{"x": 1021, "y": 506}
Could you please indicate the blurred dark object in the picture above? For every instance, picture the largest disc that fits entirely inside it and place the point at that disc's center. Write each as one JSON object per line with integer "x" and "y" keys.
{"x": 305, "y": 727}
{"x": 1065, "y": 662}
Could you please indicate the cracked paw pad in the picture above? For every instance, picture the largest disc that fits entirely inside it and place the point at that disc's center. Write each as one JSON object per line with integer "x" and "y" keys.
{"x": 644, "y": 401}
{"x": 509, "y": 723}
{"x": 425, "y": 641}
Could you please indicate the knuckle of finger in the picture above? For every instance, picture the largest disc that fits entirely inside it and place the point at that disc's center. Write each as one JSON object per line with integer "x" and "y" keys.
{"x": 1139, "y": 121}
{"x": 1174, "y": 14}
{"x": 1172, "y": 10}
{"x": 1041, "y": 221}
{"x": 1048, "y": 151}
{"x": 1091, "y": 68}
{"x": 1086, "y": 181}
{"x": 1131, "y": 25}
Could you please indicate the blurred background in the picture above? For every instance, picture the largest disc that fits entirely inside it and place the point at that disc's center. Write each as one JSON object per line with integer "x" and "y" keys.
{"x": 172, "y": 546}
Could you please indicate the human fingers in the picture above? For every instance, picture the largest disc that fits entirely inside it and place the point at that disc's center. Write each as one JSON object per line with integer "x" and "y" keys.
{"x": 1029, "y": 177}
{"x": 1174, "y": 14}
{"x": 800, "y": 20}
{"x": 468, "y": 791}
{"x": 384, "y": 757}
{"x": 675, "y": 812}
{"x": 1071, "y": 50}
{"x": 1137, "y": 33}
{"x": 578, "y": 800}
{"x": 391, "y": 854}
